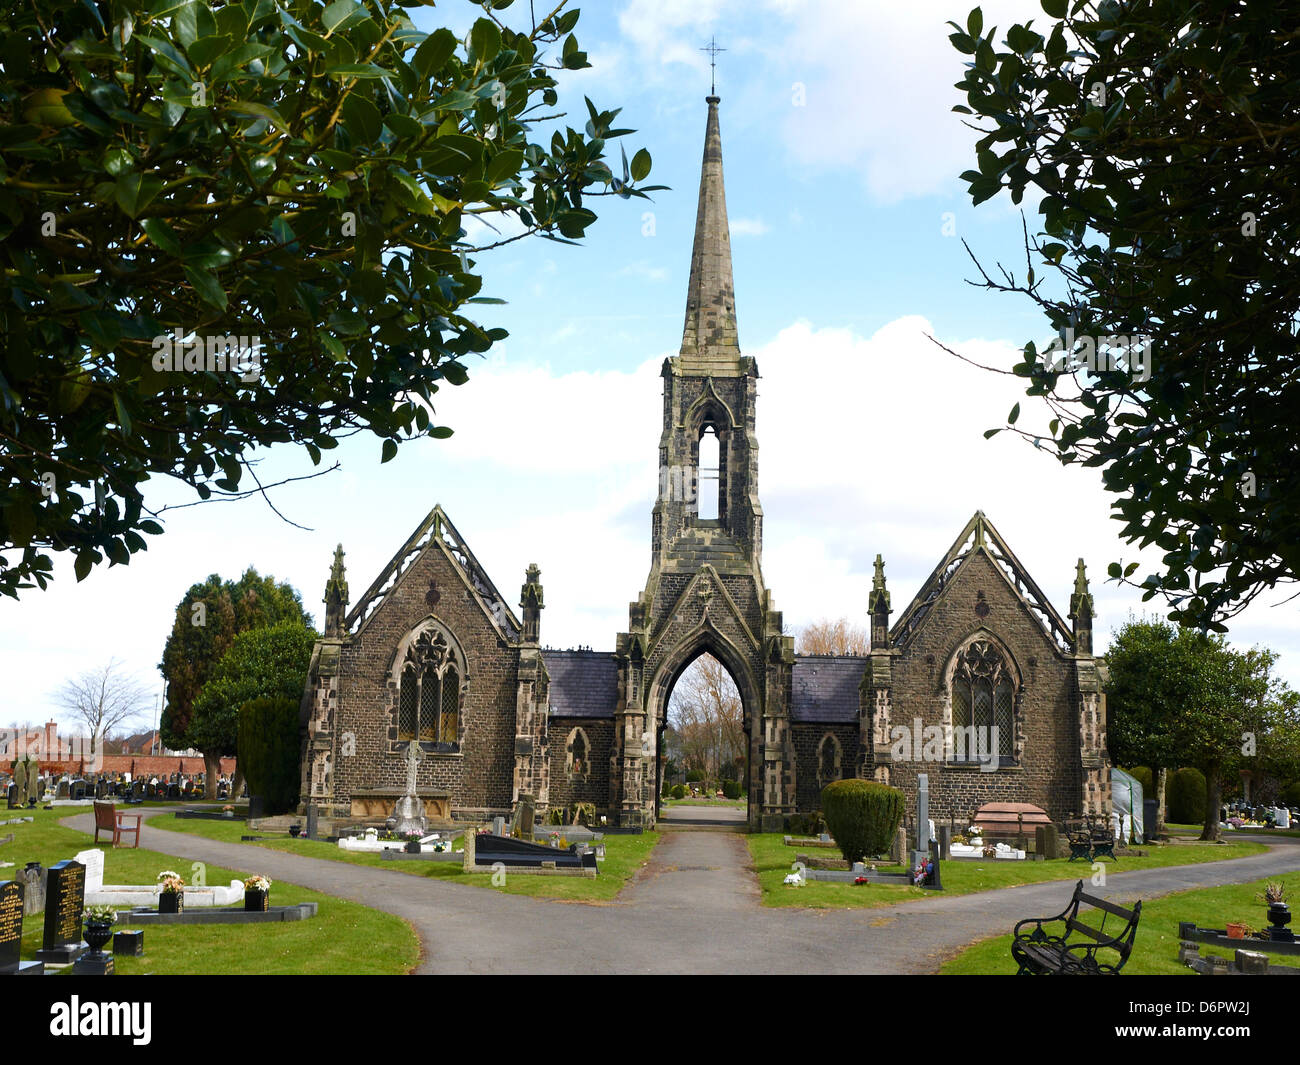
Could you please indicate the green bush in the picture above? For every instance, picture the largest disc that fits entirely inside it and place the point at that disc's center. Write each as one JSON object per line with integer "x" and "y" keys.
{"x": 731, "y": 789}
{"x": 1146, "y": 778}
{"x": 1186, "y": 797}
{"x": 694, "y": 776}
{"x": 680, "y": 791}
{"x": 270, "y": 751}
{"x": 1290, "y": 795}
{"x": 862, "y": 816}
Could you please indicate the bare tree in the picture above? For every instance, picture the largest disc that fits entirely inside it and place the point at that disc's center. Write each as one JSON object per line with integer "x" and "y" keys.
{"x": 706, "y": 711}
{"x": 103, "y": 700}
{"x": 826, "y": 637}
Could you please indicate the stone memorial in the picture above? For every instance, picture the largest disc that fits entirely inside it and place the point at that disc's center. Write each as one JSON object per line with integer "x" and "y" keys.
{"x": 498, "y": 826}
{"x": 129, "y": 942}
{"x": 922, "y": 849}
{"x": 525, "y": 817}
{"x": 11, "y": 933}
{"x": 409, "y": 810}
{"x": 65, "y": 893}
{"x": 313, "y": 819}
{"x": 33, "y": 880}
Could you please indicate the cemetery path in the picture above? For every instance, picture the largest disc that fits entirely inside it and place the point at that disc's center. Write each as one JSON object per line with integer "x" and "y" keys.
{"x": 693, "y": 908}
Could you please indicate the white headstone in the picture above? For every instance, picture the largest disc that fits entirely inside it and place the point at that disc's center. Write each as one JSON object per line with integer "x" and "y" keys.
{"x": 93, "y": 860}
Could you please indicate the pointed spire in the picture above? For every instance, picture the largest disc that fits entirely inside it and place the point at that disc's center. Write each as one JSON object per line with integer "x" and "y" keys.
{"x": 1081, "y": 608}
{"x": 336, "y": 595}
{"x": 710, "y": 297}
{"x": 878, "y": 607}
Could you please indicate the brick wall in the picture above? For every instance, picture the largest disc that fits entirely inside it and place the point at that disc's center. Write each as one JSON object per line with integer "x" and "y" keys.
{"x": 595, "y": 788}
{"x": 807, "y": 738}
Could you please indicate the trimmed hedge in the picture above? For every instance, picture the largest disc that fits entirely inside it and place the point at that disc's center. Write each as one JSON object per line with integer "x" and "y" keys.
{"x": 680, "y": 791}
{"x": 862, "y": 816}
{"x": 1290, "y": 795}
{"x": 1186, "y": 797}
{"x": 270, "y": 751}
{"x": 1146, "y": 778}
{"x": 731, "y": 789}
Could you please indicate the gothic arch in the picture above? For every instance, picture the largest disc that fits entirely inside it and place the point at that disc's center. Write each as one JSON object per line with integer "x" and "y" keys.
{"x": 704, "y": 640}
{"x": 427, "y": 682}
{"x": 577, "y": 755}
{"x": 1007, "y": 667}
{"x": 830, "y": 765}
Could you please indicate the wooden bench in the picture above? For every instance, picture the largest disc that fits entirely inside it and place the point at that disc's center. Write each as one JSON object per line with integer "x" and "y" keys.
{"x": 1040, "y": 953}
{"x": 107, "y": 819}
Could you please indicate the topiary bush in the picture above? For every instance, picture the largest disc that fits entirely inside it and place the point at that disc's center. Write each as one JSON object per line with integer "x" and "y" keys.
{"x": 1186, "y": 797}
{"x": 270, "y": 751}
{"x": 731, "y": 789}
{"x": 680, "y": 791}
{"x": 862, "y": 816}
{"x": 1146, "y": 778}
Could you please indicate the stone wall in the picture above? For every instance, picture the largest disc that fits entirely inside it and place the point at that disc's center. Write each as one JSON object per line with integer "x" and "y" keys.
{"x": 594, "y": 788}
{"x": 808, "y": 737}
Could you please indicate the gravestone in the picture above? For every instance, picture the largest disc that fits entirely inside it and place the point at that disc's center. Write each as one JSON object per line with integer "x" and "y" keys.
{"x": 945, "y": 842}
{"x": 313, "y": 816}
{"x": 1047, "y": 841}
{"x": 498, "y": 826}
{"x": 255, "y": 807}
{"x": 898, "y": 850}
{"x": 11, "y": 933}
{"x": 65, "y": 897}
{"x": 525, "y": 816}
{"x": 922, "y": 817}
{"x": 33, "y": 880}
{"x": 409, "y": 810}
{"x": 93, "y": 860}
{"x": 129, "y": 942}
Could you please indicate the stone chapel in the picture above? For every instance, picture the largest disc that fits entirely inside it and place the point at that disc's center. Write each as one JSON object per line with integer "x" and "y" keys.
{"x": 434, "y": 652}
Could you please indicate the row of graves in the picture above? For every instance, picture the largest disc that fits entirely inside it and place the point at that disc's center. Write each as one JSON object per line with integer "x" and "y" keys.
{"x": 67, "y": 789}
{"x": 413, "y": 833}
{"x": 79, "y": 913}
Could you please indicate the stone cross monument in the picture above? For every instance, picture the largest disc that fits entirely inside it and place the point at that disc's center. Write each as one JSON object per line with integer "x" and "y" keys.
{"x": 409, "y": 810}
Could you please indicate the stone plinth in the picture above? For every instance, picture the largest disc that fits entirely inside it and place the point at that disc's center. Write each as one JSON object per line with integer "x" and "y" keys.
{"x": 376, "y": 804}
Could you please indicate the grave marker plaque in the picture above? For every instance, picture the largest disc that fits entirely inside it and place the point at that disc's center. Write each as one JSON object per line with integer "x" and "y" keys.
{"x": 11, "y": 933}
{"x": 65, "y": 895}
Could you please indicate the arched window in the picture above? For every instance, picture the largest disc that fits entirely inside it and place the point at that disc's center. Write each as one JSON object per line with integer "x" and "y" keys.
{"x": 828, "y": 760}
{"x": 983, "y": 704}
{"x": 710, "y": 485}
{"x": 428, "y": 700}
{"x": 578, "y": 755}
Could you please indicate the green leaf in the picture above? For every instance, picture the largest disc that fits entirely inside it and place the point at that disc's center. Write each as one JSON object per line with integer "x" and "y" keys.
{"x": 640, "y": 167}
{"x": 134, "y": 192}
{"x": 162, "y": 235}
{"x": 256, "y": 110}
{"x": 1014, "y": 415}
{"x": 341, "y": 14}
{"x": 390, "y": 450}
{"x": 85, "y": 562}
{"x": 361, "y": 119}
{"x": 207, "y": 286}
{"x": 975, "y": 22}
{"x": 485, "y": 40}
{"x": 434, "y": 51}
{"x": 358, "y": 70}
{"x": 1055, "y": 8}
{"x": 206, "y": 49}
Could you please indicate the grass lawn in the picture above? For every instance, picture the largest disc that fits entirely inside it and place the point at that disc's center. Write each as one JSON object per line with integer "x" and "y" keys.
{"x": 703, "y": 801}
{"x": 344, "y": 937}
{"x": 1155, "y": 949}
{"x": 773, "y": 860}
{"x": 1195, "y": 830}
{"x": 624, "y": 855}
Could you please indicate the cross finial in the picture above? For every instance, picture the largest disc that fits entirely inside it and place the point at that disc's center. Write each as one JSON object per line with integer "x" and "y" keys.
{"x": 713, "y": 50}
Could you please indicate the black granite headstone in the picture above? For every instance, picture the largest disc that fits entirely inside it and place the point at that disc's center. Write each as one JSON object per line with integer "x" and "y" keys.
{"x": 11, "y": 925}
{"x": 255, "y": 806}
{"x": 65, "y": 896}
{"x": 129, "y": 941}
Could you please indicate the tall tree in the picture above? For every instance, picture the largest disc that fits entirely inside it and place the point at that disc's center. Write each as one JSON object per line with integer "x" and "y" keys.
{"x": 103, "y": 700}
{"x": 1161, "y": 140}
{"x": 269, "y": 662}
{"x": 208, "y": 618}
{"x": 229, "y": 224}
{"x": 839, "y": 637}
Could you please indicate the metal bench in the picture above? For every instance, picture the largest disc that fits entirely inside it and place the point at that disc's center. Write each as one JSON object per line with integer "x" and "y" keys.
{"x": 1041, "y": 953}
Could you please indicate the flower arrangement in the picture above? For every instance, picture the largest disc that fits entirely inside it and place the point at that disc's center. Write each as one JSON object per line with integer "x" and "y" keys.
{"x": 227, "y": 809}
{"x": 1236, "y": 822}
{"x": 101, "y": 915}
{"x": 1274, "y": 891}
{"x": 412, "y": 837}
{"x": 257, "y": 882}
{"x": 170, "y": 882}
{"x": 924, "y": 869}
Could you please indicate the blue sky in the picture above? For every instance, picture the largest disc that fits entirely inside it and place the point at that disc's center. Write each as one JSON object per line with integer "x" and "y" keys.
{"x": 841, "y": 158}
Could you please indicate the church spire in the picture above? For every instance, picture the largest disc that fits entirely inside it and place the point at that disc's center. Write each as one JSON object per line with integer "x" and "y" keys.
{"x": 710, "y": 298}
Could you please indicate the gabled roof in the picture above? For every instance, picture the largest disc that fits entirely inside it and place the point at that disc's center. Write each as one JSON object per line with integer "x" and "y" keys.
{"x": 824, "y": 688}
{"x": 436, "y": 532}
{"x": 583, "y": 683}
{"x": 980, "y": 535}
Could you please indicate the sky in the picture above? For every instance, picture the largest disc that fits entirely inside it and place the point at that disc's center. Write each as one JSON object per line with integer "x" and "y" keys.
{"x": 847, "y": 217}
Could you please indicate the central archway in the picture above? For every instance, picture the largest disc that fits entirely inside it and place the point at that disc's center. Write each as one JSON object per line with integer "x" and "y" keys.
{"x": 709, "y": 643}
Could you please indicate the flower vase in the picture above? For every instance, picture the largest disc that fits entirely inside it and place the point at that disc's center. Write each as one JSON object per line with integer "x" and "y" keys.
{"x": 171, "y": 902}
{"x": 413, "y": 846}
{"x": 256, "y": 901}
{"x": 97, "y": 934}
{"x": 1279, "y": 916}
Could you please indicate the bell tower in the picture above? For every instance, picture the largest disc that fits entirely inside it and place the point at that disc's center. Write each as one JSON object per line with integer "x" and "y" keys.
{"x": 705, "y": 592}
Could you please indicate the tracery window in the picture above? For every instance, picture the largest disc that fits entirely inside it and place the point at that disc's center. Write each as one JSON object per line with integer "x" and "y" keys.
{"x": 429, "y": 693}
{"x": 828, "y": 760}
{"x": 983, "y": 704}
{"x": 578, "y": 755}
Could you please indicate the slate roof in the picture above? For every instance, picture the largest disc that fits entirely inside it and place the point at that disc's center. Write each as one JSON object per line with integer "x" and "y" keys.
{"x": 825, "y": 687}
{"x": 583, "y": 683}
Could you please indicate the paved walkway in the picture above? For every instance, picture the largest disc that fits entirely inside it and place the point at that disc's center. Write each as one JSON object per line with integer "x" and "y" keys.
{"x": 694, "y": 908}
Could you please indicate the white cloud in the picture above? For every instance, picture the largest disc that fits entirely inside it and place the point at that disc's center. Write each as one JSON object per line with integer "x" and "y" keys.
{"x": 747, "y": 227}
{"x": 644, "y": 270}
